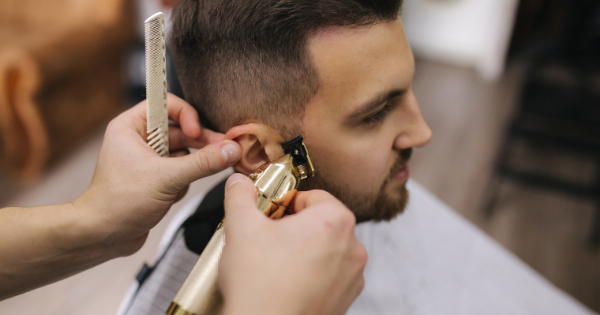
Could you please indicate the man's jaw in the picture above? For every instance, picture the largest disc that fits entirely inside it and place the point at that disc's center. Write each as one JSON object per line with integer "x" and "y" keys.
{"x": 393, "y": 196}
{"x": 382, "y": 205}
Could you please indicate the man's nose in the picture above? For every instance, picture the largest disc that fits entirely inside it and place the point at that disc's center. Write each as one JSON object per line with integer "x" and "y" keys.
{"x": 423, "y": 133}
{"x": 418, "y": 134}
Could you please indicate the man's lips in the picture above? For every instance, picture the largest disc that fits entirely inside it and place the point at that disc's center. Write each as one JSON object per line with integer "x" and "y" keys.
{"x": 402, "y": 174}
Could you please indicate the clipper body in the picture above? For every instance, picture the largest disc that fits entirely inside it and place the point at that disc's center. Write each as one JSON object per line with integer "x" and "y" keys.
{"x": 276, "y": 186}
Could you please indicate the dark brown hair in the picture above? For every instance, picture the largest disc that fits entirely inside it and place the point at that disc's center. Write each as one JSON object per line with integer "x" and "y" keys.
{"x": 241, "y": 60}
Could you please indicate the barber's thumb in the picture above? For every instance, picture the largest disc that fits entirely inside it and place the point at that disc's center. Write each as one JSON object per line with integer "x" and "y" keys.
{"x": 207, "y": 161}
{"x": 240, "y": 198}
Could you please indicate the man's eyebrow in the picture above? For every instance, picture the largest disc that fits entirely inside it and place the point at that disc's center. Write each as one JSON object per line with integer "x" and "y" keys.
{"x": 369, "y": 106}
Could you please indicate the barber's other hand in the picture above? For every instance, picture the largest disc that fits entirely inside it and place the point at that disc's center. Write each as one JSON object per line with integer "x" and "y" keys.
{"x": 306, "y": 263}
{"x": 133, "y": 187}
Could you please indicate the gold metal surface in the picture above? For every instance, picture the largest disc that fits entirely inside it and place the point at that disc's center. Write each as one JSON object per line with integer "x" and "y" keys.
{"x": 276, "y": 186}
{"x": 221, "y": 223}
{"x": 309, "y": 169}
{"x": 199, "y": 294}
{"x": 175, "y": 309}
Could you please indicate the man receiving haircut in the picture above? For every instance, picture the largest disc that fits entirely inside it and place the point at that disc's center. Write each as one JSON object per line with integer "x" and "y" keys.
{"x": 337, "y": 71}
{"x": 264, "y": 71}
{"x": 340, "y": 73}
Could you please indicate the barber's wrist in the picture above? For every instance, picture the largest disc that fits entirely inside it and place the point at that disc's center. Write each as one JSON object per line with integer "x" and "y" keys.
{"x": 47, "y": 237}
{"x": 87, "y": 229}
{"x": 98, "y": 227}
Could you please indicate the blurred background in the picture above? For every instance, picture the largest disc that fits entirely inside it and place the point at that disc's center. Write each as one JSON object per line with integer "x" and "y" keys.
{"x": 510, "y": 88}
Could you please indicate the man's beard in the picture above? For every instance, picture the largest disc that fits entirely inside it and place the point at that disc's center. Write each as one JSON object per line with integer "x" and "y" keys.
{"x": 386, "y": 204}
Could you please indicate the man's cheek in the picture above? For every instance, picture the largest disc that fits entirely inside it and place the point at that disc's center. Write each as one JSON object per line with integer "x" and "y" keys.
{"x": 367, "y": 179}
{"x": 376, "y": 168}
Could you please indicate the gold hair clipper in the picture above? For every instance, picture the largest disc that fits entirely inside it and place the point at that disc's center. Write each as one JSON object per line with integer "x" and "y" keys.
{"x": 276, "y": 185}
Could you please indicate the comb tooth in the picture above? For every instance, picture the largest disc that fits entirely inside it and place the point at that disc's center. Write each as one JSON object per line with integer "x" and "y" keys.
{"x": 153, "y": 142}
{"x": 155, "y": 131}
{"x": 157, "y": 144}
{"x": 162, "y": 150}
{"x": 154, "y": 139}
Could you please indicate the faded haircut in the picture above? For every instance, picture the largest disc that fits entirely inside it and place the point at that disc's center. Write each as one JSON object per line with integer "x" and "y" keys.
{"x": 247, "y": 60}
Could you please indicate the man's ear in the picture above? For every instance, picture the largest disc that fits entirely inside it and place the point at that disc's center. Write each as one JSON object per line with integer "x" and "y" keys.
{"x": 260, "y": 144}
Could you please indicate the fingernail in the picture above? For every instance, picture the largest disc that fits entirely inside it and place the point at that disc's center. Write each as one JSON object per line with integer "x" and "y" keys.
{"x": 230, "y": 152}
{"x": 234, "y": 179}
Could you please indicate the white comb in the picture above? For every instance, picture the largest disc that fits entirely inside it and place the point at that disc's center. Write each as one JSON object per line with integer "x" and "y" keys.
{"x": 156, "y": 85}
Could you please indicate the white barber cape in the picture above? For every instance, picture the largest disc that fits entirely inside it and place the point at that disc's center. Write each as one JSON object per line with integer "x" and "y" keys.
{"x": 427, "y": 261}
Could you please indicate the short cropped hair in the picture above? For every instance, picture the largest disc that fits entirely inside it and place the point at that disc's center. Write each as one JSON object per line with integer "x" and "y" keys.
{"x": 241, "y": 60}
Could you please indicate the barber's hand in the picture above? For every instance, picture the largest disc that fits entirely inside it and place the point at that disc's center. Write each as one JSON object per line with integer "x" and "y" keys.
{"x": 306, "y": 263}
{"x": 133, "y": 187}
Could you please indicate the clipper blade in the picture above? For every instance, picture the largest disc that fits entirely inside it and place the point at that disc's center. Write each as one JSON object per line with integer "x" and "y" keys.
{"x": 156, "y": 85}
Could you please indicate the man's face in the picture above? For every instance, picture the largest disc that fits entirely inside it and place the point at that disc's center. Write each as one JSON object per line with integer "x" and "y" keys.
{"x": 364, "y": 120}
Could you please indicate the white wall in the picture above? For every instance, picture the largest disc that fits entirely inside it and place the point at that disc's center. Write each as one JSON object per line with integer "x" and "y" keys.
{"x": 472, "y": 33}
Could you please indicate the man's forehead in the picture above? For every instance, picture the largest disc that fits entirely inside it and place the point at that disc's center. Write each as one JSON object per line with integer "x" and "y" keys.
{"x": 353, "y": 64}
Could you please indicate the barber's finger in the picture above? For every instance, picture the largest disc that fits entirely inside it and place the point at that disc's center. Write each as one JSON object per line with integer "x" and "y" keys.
{"x": 178, "y": 153}
{"x": 360, "y": 258}
{"x": 184, "y": 115}
{"x": 208, "y": 136}
{"x": 305, "y": 199}
{"x": 178, "y": 110}
{"x": 352, "y": 292}
{"x": 139, "y": 110}
{"x": 178, "y": 139}
{"x": 240, "y": 200}
{"x": 207, "y": 161}
{"x": 133, "y": 118}
{"x": 318, "y": 205}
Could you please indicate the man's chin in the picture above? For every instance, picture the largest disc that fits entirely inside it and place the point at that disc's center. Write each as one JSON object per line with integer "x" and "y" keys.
{"x": 389, "y": 204}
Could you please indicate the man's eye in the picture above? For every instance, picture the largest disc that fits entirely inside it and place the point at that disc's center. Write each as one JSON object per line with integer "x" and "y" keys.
{"x": 380, "y": 115}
